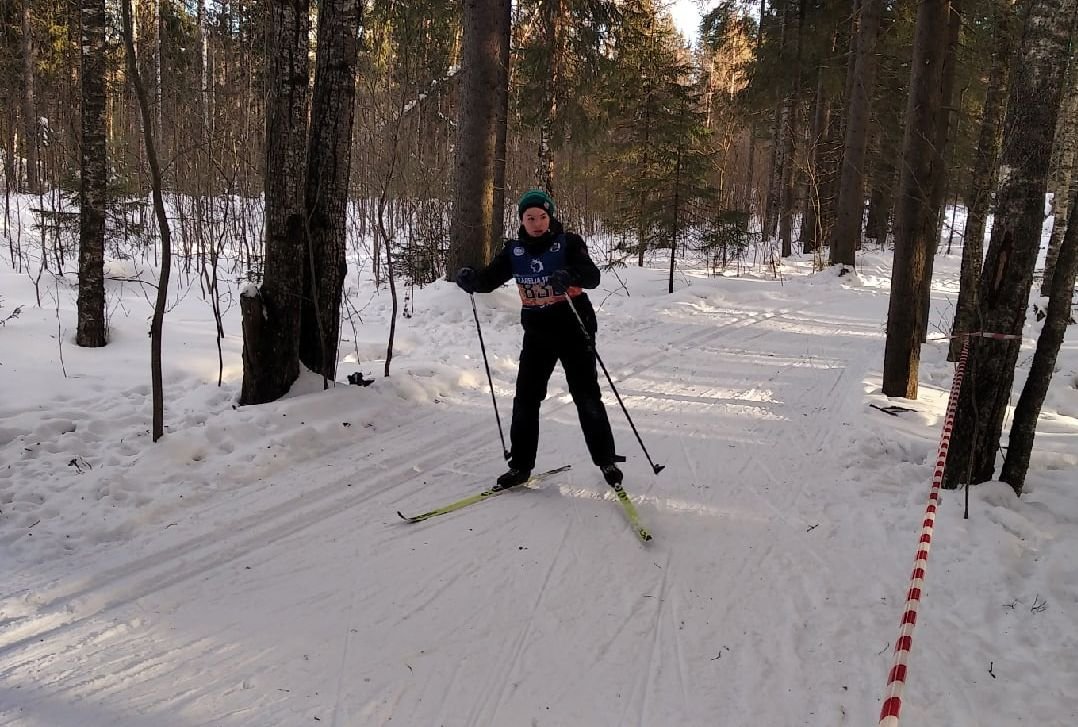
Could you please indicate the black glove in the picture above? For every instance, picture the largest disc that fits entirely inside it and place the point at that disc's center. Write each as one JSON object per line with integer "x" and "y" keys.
{"x": 467, "y": 279}
{"x": 560, "y": 280}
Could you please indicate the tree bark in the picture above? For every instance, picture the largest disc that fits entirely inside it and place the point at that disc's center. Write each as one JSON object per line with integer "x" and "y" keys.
{"x": 914, "y": 221}
{"x": 501, "y": 136}
{"x": 943, "y": 134}
{"x": 776, "y": 176}
{"x": 470, "y": 228}
{"x": 810, "y": 221}
{"x": 157, "y": 325}
{"x": 30, "y": 125}
{"x": 846, "y": 235}
{"x": 982, "y": 181}
{"x": 553, "y": 20}
{"x": 1029, "y": 129}
{"x": 271, "y": 359}
{"x": 1024, "y": 426}
{"x": 881, "y": 198}
{"x": 1064, "y": 178}
{"x": 329, "y": 163}
{"x": 789, "y": 146}
{"x": 7, "y": 140}
{"x": 92, "y": 192}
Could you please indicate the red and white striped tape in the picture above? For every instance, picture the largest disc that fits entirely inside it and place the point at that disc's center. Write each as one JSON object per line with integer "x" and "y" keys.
{"x": 892, "y": 704}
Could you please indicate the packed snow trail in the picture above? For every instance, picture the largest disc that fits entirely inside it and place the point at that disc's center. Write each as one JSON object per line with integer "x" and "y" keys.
{"x": 761, "y": 601}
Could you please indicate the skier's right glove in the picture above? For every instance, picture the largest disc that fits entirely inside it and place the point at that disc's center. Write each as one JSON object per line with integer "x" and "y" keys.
{"x": 560, "y": 280}
{"x": 466, "y": 279}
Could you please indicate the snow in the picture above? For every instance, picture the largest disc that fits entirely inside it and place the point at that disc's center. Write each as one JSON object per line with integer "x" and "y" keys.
{"x": 250, "y": 568}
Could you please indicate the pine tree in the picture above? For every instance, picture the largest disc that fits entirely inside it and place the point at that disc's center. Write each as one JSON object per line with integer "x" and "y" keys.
{"x": 561, "y": 45}
{"x": 657, "y": 149}
{"x": 846, "y": 235}
{"x": 473, "y": 214}
{"x": 915, "y": 224}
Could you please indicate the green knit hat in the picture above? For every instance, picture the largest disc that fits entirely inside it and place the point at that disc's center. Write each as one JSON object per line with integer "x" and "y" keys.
{"x": 535, "y": 198}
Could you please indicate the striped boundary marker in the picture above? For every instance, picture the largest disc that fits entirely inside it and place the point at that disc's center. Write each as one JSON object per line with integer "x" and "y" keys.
{"x": 896, "y": 681}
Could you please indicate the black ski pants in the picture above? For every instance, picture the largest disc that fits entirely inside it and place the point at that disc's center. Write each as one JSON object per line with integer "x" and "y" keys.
{"x": 543, "y": 348}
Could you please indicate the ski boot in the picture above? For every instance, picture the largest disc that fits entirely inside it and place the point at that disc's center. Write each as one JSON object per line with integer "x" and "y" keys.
{"x": 612, "y": 474}
{"x": 513, "y": 477}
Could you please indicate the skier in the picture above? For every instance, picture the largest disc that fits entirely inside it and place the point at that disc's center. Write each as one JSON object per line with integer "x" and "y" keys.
{"x": 549, "y": 265}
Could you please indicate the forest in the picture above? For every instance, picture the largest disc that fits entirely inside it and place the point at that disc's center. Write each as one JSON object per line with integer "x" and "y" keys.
{"x": 271, "y": 144}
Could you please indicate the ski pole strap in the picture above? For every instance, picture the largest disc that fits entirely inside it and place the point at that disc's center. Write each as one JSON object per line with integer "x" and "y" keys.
{"x": 892, "y": 704}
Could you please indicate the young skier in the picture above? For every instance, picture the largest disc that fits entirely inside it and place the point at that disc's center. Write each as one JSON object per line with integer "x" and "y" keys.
{"x": 549, "y": 265}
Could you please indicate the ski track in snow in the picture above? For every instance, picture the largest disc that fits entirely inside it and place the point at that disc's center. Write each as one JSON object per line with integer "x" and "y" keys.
{"x": 475, "y": 619}
{"x": 73, "y": 603}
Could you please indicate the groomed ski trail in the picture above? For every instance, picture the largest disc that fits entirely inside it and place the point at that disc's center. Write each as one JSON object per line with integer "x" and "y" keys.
{"x": 586, "y": 626}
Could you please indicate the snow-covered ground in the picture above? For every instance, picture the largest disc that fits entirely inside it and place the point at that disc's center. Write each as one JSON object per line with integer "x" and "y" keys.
{"x": 250, "y": 568}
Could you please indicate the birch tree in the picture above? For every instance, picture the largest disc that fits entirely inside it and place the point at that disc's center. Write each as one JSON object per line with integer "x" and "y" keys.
{"x": 271, "y": 314}
{"x": 1007, "y": 276}
{"x": 329, "y": 162}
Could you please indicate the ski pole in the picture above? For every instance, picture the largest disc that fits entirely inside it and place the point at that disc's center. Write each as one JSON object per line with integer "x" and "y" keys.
{"x": 493, "y": 399}
{"x": 656, "y": 468}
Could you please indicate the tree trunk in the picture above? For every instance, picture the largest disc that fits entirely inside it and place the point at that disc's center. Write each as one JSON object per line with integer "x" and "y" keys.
{"x": 204, "y": 68}
{"x": 92, "y": 194}
{"x": 779, "y": 130}
{"x": 774, "y": 175}
{"x": 470, "y": 228}
{"x": 942, "y": 137}
{"x": 881, "y": 198}
{"x": 501, "y": 139}
{"x": 914, "y": 221}
{"x": 788, "y": 194}
{"x": 329, "y": 163}
{"x": 30, "y": 125}
{"x": 846, "y": 235}
{"x": 158, "y": 108}
{"x": 553, "y": 20}
{"x": 1064, "y": 178}
{"x": 752, "y": 197}
{"x": 157, "y": 325}
{"x": 810, "y": 232}
{"x": 1024, "y": 426}
{"x": 675, "y": 231}
{"x": 7, "y": 140}
{"x": 827, "y": 169}
{"x": 271, "y": 345}
{"x": 1032, "y": 110}
{"x": 985, "y": 164}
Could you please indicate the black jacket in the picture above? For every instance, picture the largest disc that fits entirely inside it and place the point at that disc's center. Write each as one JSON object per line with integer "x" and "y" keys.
{"x": 583, "y": 273}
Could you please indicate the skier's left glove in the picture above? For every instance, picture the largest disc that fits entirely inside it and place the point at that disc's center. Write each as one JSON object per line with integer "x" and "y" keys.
{"x": 560, "y": 280}
{"x": 467, "y": 279}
